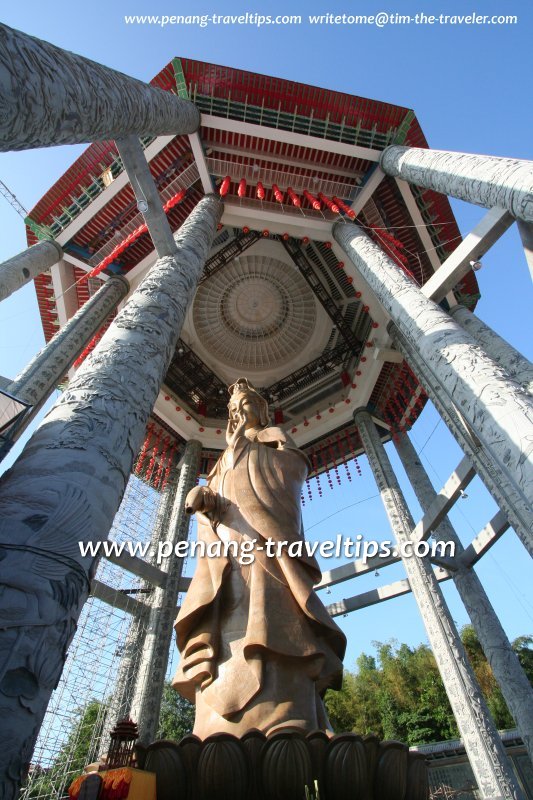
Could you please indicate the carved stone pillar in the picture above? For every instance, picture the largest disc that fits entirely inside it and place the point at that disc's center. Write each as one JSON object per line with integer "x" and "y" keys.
{"x": 95, "y": 103}
{"x": 38, "y": 380}
{"x": 24, "y": 267}
{"x": 507, "y": 669}
{"x": 511, "y": 502}
{"x": 484, "y": 180}
{"x": 150, "y": 680}
{"x": 512, "y": 361}
{"x": 482, "y": 743}
{"x": 68, "y": 483}
{"x": 496, "y": 408}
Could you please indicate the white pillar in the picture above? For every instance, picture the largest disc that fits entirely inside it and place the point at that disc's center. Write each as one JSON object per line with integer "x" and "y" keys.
{"x": 484, "y": 180}
{"x": 516, "y": 508}
{"x": 67, "y": 485}
{"x": 512, "y": 361}
{"x": 24, "y": 267}
{"x": 513, "y": 681}
{"x": 94, "y": 102}
{"x": 496, "y": 408}
{"x": 150, "y": 679}
{"x": 482, "y": 743}
{"x": 37, "y": 381}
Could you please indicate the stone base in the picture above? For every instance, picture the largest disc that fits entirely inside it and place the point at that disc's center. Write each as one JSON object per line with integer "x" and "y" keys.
{"x": 285, "y": 766}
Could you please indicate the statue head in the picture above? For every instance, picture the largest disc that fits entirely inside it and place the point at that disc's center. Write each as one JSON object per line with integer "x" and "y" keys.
{"x": 246, "y": 400}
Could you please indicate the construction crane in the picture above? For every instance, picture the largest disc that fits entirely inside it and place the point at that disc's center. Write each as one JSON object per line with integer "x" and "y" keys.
{"x": 12, "y": 200}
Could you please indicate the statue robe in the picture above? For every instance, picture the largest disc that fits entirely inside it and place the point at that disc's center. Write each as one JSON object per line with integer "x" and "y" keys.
{"x": 258, "y": 648}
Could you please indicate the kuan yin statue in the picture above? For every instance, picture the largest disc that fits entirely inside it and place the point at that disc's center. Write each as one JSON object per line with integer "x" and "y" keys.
{"x": 258, "y": 648}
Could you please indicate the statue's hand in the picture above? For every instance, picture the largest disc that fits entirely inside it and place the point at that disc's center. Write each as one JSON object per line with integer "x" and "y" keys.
{"x": 236, "y": 428}
{"x": 201, "y": 499}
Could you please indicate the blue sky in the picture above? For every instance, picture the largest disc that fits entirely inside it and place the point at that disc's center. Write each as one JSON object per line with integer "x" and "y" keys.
{"x": 468, "y": 87}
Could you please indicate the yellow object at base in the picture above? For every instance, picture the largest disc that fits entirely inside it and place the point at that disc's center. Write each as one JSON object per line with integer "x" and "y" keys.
{"x": 123, "y": 783}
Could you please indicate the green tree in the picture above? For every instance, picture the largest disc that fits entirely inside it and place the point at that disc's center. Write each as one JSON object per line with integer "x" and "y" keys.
{"x": 490, "y": 688}
{"x": 399, "y": 694}
{"x": 176, "y": 718}
{"x": 74, "y": 755}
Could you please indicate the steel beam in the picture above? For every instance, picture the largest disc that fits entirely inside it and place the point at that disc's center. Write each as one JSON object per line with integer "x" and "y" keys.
{"x": 289, "y": 137}
{"x": 526, "y": 234}
{"x": 199, "y": 157}
{"x": 117, "y": 599}
{"x": 472, "y": 248}
{"x": 380, "y": 595}
{"x": 444, "y": 500}
{"x": 367, "y": 189}
{"x": 138, "y": 566}
{"x": 147, "y": 195}
{"x": 485, "y": 539}
{"x": 430, "y": 520}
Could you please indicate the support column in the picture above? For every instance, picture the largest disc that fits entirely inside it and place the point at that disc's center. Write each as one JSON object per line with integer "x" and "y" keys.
{"x": 525, "y": 230}
{"x": 150, "y": 681}
{"x": 512, "y": 361}
{"x": 95, "y": 103}
{"x": 68, "y": 483}
{"x": 484, "y": 748}
{"x": 37, "y": 381}
{"x": 24, "y": 267}
{"x": 484, "y": 180}
{"x": 515, "y": 686}
{"x": 146, "y": 194}
{"x": 497, "y": 409}
{"x": 511, "y": 502}
{"x": 135, "y": 644}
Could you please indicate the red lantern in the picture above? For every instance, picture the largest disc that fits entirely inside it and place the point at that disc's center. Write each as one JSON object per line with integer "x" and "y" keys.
{"x": 224, "y": 186}
{"x": 347, "y": 210}
{"x": 278, "y": 194}
{"x": 314, "y": 203}
{"x": 241, "y": 191}
{"x": 260, "y": 191}
{"x": 295, "y": 200}
{"x": 329, "y": 203}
